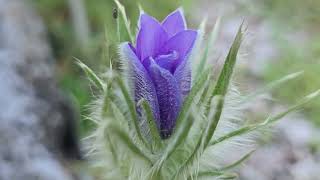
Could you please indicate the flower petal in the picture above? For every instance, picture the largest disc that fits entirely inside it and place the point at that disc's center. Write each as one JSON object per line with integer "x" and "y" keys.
{"x": 174, "y": 22}
{"x": 139, "y": 80}
{"x": 167, "y": 61}
{"x": 151, "y": 37}
{"x": 183, "y": 77}
{"x": 182, "y": 42}
{"x": 169, "y": 97}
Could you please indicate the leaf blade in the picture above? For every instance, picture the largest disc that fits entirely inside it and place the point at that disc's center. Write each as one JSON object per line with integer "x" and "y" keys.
{"x": 238, "y": 162}
{"x": 125, "y": 19}
{"x": 91, "y": 75}
{"x": 115, "y": 130}
{"x": 200, "y": 83}
{"x": 227, "y": 70}
{"x": 268, "y": 121}
{"x": 132, "y": 110}
{"x": 271, "y": 86}
{"x": 155, "y": 135}
{"x": 213, "y": 122}
{"x": 212, "y": 38}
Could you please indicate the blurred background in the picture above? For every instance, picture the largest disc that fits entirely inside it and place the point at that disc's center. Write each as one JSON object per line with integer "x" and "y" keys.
{"x": 283, "y": 37}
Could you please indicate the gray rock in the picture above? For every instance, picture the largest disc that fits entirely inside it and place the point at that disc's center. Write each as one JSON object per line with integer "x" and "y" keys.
{"x": 288, "y": 155}
{"x": 36, "y": 121}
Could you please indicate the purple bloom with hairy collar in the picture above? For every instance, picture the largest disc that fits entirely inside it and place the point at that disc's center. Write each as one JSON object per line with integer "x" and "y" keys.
{"x": 158, "y": 66}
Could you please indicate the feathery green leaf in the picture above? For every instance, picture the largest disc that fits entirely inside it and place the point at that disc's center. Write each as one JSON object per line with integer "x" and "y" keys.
{"x": 132, "y": 110}
{"x": 271, "y": 86}
{"x": 221, "y": 172}
{"x": 206, "y": 135}
{"x": 127, "y": 141}
{"x": 91, "y": 75}
{"x": 227, "y": 70}
{"x": 212, "y": 38}
{"x": 112, "y": 148}
{"x": 178, "y": 138}
{"x": 155, "y": 136}
{"x": 238, "y": 162}
{"x": 236, "y": 133}
{"x": 206, "y": 173}
{"x": 213, "y": 122}
{"x": 249, "y": 128}
{"x": 299, "y": 105}
{"x": 125, "y": 19}
{"x": 196, "y": 88}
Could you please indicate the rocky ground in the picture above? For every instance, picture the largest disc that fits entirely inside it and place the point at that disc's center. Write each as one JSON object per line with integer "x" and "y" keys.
{"x": 288, "y": 155}
{"x": 37, "y": 135}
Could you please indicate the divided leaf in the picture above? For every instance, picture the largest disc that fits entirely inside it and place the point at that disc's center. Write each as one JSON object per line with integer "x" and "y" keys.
{"x": 125, "y": 19}
{"x": 270, "y": 86}
{"x": 270, "y": 120}
{"x": 91, "y": 75}
{"x": 154, "y": 132}
{"x": 212, "y": 38}
{"x": 127, "y": 141}
{"x": 132, "y": 109}
{"x": 227, "y": 70}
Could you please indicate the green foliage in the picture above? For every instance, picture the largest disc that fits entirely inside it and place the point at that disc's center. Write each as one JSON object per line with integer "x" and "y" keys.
{"x": 227, "y": 70}
{"x": 126, "y": 140}
{"x": 211, "y": 40}
{"x": 295, "y": 56}
{"x": 294, "y": 59}
{"x": 274, "y": 84}
{"x": 156, "y": 142}
{"x": 77, "y": 89}
{"x": 132, "y": 109}
{"x": 307, "y": 12}
{"x": 202, "y": 127}
{"x": 92, "y": 76}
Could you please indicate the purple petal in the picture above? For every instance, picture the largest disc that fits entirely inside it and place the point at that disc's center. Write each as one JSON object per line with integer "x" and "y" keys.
{"x": 140, "y": 81}
{"x": 183, "y": 77}
{"x": 151, "y": 37}
{"x": 182, "y": 42}
{"x": 167, "y": 61}
{"x": 174, "y": 22}
{"x": 169, "y": 97}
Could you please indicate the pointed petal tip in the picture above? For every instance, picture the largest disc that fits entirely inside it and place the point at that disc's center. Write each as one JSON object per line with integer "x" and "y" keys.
{"x": 125, "y": 46}
{"x": 141, "y": 13}
{"x": 180, "y": 10}
{"x": 181, "y": 41}
{"x": 144, "y": 17}
{"x": 122, "y": 47}
{"x": 150, "y": 38}
{"x": 140, "y": 9}
{"x": 175, "y": 22}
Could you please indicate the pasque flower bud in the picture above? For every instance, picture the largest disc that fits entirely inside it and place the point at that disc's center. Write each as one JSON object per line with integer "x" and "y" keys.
{"x": 159, "y": 67}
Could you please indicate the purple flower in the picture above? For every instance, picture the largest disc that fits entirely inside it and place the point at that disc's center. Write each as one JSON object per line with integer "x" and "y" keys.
{"x": 159, "y": 69}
